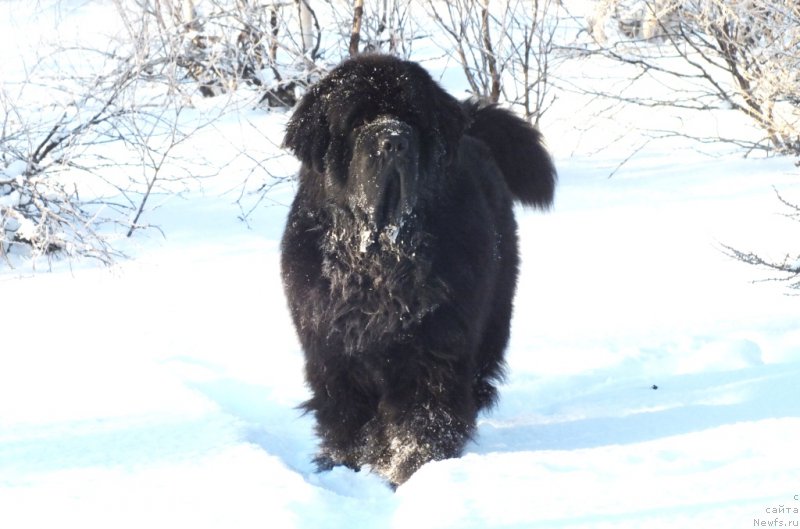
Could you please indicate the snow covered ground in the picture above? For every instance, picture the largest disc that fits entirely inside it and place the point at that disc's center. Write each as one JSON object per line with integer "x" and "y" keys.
{"x": 651, "y": 383}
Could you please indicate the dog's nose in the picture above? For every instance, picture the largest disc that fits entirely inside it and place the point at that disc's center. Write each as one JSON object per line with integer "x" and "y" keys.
{"x": 394, "y": 144}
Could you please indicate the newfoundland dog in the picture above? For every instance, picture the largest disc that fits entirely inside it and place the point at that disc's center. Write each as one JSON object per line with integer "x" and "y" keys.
{"x": 399, "y": 259}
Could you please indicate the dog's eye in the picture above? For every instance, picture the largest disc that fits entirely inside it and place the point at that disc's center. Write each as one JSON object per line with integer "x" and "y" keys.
{"x": 353, "y": 118}
{"x": 356, "y": 130}
{"x": 358, "y": 123}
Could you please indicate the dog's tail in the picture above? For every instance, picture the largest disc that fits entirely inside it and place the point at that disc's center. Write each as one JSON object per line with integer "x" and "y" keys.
{"x": 518, "y": 150}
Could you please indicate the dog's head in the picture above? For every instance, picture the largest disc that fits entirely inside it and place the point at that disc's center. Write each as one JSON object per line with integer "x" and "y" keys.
{"x": 376, "y": 133}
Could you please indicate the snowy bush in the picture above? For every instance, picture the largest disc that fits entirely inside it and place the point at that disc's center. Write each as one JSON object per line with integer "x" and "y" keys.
{"x": 41, "y": 216}
{"x": 505, "y": 48}
{"x": 83, "y": 149}
{"x": 742, "y": 55}
{"x": 41, "y": 211}
{"x": 220, "y": 44}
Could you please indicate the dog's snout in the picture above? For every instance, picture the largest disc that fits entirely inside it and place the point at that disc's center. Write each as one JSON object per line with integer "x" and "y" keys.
{"x": 394, "y": 143}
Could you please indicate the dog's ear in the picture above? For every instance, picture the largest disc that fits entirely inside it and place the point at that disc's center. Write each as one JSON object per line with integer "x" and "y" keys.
{"x": 307, "y": 134}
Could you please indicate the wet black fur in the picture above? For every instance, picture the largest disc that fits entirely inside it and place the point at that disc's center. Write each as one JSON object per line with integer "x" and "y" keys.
{"x": 404, "y": 315}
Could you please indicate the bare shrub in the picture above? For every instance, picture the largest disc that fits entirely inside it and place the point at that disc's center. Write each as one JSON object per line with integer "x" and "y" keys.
{"x": 41, "y": 212}
{"x": 220, "y": 44}
{"x": 85, "y": 160}
{"x": 742, "y": 55}
{"x": 505, "y": 48}
{"x": 787, "y": 268}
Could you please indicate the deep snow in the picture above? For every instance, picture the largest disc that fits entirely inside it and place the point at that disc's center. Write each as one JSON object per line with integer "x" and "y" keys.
{"x": 162, "y": 392}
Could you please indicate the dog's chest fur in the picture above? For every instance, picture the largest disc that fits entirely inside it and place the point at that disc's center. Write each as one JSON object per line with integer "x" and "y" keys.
{"x": 381, "y": 284}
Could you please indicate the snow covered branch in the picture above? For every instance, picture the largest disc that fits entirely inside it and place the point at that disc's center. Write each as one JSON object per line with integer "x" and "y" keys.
{"x": 86, "y": 156}
{"x": 742, "y": 55}
{"x": 505, "y": 48}
{"x": 40, "y": 209}
{"x": 213, "y": 46}
{"x": 788, "y": 268}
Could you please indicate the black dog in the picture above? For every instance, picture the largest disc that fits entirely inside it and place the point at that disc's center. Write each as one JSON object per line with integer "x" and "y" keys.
{"x": 400, "y": 259}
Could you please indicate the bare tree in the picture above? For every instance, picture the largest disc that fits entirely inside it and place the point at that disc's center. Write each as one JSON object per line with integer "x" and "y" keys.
{"x": 309, "y": 28}
{"x": 355, "y": 33}
{"x": 87, "y": 160}
{"x": 467, "y": 22}
{"x": 533, "y": 57}
{"x": 39, "y": 210}
{"x": 505, "y": 47}
{"x": 220, "y": 44}
{"x": 393, "y": 29}
{"x": 386, "y": 26}
{"x": 733, "y": 54}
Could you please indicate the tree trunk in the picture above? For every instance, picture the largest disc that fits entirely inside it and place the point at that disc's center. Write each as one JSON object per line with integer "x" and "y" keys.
{"x": 355, "y": 33}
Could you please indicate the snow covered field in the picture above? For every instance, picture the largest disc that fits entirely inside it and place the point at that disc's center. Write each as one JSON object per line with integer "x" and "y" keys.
{"x": 651, "y": 383}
